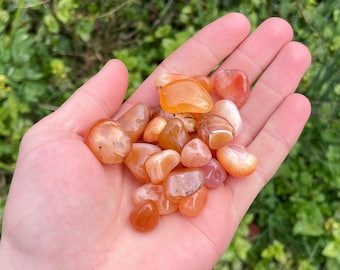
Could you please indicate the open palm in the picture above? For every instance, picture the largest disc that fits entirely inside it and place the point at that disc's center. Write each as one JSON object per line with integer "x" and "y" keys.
{"x": 65, "y": 210}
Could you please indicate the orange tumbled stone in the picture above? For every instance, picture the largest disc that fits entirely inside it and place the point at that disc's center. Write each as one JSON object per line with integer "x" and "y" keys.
{"x": 195, "y": 154}
{"x": 159, "y": 165}
{"x": 154, "y": 192}
{"x": 236, "y": 160}
{"x": 185, "y": 96}
{"x": 232, "y": 85}
{"x": 145, "y": 216}
{"x": 174, "y": 135}
{"x": 205, "y": 81}
{"x": 135, "y": 120}
{"x": 193, "y": 205}
{"x": 136, "y": 158}
{"x": 214, "y": 130}
{"x": 153, "y": 129}
{"x": 186, "y": 118}
{"x": 108, "y": 142}
{"x": 165, "y": 78}
{"x": 183, "y": 182}
{"x": 229, "y": 111}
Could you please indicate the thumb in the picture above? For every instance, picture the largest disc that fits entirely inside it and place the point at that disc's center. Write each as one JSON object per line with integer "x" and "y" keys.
{"x": 100, "y": 97}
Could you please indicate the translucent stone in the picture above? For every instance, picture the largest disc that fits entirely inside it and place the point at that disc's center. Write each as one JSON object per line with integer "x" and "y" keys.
{"x": 136, "y": 158}
{"x": 194, "y": 204}
{"x": 147, "y": 191}
{"x": 236, "y": 160}
{"x": 159, "y": 165}
{"x": 174, "y": 135}
{"x": 153, "y": 129}
{"x": 145, "y": 216}
{"x": 108, "y": 142}
{"x": 195, "y": 154}
{"x": 183, "y": 182}
{"x": 205, "y": 81}
{"x": 155, "y": 193}
{"x": 228, "y": 110}
{"x": 185, "y": 96}
{"x": 186, "y": 118}
{"x": 214, "y": 130}
{"x": 214, "y": 174}
{"x": 135, "y": 120}
{"x": 232, "y": 85}
{"x": 165, "y": 78}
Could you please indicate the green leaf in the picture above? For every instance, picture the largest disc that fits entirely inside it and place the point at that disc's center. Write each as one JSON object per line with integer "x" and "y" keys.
{"x": 65, "y": 10}
{"x": 306, "y": 265}
{"x": 242, "y": 246}
{"x": 4, "y": 18}
{"x": 163, "y": 31}
{"x": 84, "y": 29}
{"x": 22, "y": 47}
{"x": 275, "y": 250}
{"x": 51, "y": 23}
{"x": 130, "y": 60}
{"x": 332, "y": 249}
{"x": 305, "y": 227}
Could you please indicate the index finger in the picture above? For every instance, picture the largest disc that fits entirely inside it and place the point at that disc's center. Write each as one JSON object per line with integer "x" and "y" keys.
{"x": 199, "y": 55}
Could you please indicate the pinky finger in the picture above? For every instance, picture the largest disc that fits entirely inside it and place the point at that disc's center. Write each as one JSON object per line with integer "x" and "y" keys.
{"x": 271, "y": 146}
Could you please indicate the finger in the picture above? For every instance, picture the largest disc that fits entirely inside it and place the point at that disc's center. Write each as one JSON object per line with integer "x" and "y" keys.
{"x": 98, "y": 98}
{"x": 199, "y": 55}
{"x": 260, "y": 48}
{"x": 271, "y": 146}
{"x": 278, "y": 81}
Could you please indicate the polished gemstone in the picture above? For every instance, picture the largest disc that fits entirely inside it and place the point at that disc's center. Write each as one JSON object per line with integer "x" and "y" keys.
{"x": 136, "y": 158}
{"x": 135, "y": 120}
{"x": 185, "y": 96}
{"x": 195, "y": 154}
{"x": 232, "y": 85}
{"x": 181, "y": 183}
{"x": 236, "y": 160}
{"x": 108, "y": 142}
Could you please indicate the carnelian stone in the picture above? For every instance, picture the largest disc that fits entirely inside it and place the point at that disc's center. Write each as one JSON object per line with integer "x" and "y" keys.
{"x": 183, "y": 182}
{"x": 214, "y": 130}
{"x": 186, "y": 118}
{"x": 108, "y": 142}
{"x": 214, "y": 174}
{"x": 153, "y": 129}
{"x": 229, "y": 111}
{"x": 165, "y": 78}
{"x": 193, "y": 205}
{"x": 174, "y": 135}
{"x": 159, "y": 165}
{"x": 236, "y": 160}
{"x": 195, "y": 154}
{"x": 135, "y": 120}
{"x": 185, "y": 96}
{"x": 136, "y": 158}
{"x": 205, "y": 81}
{"x": 232, "y": 85}
{"x": 145, "y": 216}
{"x": 154, "y": 192}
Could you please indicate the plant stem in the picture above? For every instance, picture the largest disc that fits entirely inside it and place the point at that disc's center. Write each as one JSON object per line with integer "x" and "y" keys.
{"x": 17, "y": 17}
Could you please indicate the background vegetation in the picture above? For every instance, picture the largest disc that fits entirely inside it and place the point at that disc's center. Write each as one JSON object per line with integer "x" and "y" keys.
{"x": 48, "y": 48}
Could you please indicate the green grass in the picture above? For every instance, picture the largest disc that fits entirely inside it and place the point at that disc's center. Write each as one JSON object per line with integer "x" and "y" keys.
{"x": 49, "y": 48}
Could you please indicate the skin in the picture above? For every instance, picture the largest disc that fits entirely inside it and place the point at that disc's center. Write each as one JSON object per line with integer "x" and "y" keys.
{"x": 65, "y": 210}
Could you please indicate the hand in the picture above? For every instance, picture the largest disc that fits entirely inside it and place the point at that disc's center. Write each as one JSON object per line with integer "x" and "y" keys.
{"x": 65, "y": 210}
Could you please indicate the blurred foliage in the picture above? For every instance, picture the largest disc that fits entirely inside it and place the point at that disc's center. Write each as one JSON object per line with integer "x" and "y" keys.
{"x": 49, "y": 48}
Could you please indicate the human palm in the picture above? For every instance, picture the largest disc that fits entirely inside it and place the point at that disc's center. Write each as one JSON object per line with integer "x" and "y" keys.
{"x": 65, "y": 210}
